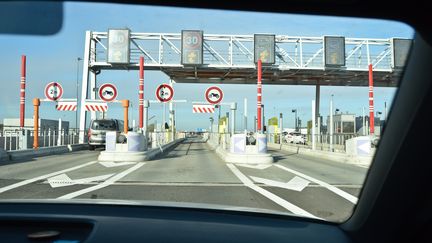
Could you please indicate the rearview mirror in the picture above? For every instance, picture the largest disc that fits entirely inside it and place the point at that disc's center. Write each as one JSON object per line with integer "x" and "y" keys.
{"x": 31, "y": 18}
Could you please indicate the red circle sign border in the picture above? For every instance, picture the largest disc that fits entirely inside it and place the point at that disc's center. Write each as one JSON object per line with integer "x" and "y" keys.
{"x": 194, "y": 46}
{"x": 207, "y": 92}
{"x": 164, "y": 86}
{"x": 51, "y": 84}
{"x": 108, "y": 85}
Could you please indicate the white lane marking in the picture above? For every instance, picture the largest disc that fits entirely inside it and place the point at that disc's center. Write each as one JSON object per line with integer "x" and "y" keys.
{"x": 278, "y": 200}
{"x": 295, "y": 184}
{"x": 115, "y": 164}
{"x": 363, "y": 166}
{"x": 42, "y": 177}
{"x": 334, "y": 189}
{"x": 65, "y": 180}
{"x": 103, "y": 184}
{"x": 260, "y": 167}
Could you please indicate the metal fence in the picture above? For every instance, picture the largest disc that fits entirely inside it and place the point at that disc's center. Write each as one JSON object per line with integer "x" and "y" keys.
{"x": 23, "y": 139}
{"x": 322, "y": 141}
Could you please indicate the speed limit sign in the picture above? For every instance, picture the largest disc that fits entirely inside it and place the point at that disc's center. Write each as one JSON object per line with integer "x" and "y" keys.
{"x": 53, "y": 91}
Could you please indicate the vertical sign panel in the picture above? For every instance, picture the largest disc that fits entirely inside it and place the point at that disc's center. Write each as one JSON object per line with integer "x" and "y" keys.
{"x": 118, "y": 46}
{"x": 334, "y": 49}
{"x": 401, "y": 48}
{"x": 192, "y": 47}
{"x": 264, "y": 48}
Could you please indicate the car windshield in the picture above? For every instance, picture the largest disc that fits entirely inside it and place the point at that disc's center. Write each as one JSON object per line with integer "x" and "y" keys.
{"x": 104, "y": 125}
{"x": 281, "y": 113}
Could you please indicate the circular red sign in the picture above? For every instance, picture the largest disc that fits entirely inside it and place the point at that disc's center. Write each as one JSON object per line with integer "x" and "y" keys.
{"x": 107, "y": 92}
{"x": 193, "y": 40}
{"x": 161, "y": 94}
{"x": 214, "y": 95}
{"x": 53, "y": 91}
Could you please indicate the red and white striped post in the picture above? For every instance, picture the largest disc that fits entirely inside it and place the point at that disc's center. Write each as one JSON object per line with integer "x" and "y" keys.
{"x": 22, "y": 90}
{"x": 259, "y": 96}
{"x": 371, "y": 102}
{"x": 141, "y": 92}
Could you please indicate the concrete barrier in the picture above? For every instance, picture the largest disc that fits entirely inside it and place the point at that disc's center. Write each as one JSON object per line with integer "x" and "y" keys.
{"x": 333, "y": 156}
{"x": 255, "y": 158}
{"x": 3, "y": 155}
{"x": 115, "y": 156}
{"x": 20, "y": 154}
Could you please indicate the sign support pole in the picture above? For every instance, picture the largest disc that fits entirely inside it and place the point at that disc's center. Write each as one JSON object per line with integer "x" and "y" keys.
{"x": 146, "y": 106}
{"x": 84, "y": 87}
{"x": 313, "y": 124}
{"x": 141, "y": 92}
{"x": 259, "y": 96}
{"x": 371, "y": 102}
{"x": 233, "y": 111}
{"x": 22, "y": 90}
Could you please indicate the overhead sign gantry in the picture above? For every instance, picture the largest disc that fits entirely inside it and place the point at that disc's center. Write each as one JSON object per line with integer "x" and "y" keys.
{"x": 196, "y": 57}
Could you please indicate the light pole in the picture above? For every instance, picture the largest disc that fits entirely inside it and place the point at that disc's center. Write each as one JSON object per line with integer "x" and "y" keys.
{"x": 330, "y": 127}
{"x": 295, "y": 124}
{"x": 76, "y": 112}
{"x": 211, "y": 125}
{"x": 378, "y": 114}
{"x": 263, "y": 118}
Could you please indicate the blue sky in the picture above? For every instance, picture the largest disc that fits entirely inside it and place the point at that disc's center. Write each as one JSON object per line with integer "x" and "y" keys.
{"x": 53, "y": 58}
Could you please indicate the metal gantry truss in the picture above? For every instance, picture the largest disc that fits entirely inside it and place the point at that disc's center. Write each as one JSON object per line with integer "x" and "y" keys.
{"x": 229, "y": 59}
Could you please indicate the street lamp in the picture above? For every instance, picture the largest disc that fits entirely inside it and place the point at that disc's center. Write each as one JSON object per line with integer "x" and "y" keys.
{"x": 76, "y": 112}
{"x": 336, "y": 111}
{"x": 211, "y": 125}
{"x": 295, "y": 124}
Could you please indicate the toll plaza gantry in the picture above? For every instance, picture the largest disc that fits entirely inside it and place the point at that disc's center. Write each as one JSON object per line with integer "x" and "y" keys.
{"x": 196, "y": 57}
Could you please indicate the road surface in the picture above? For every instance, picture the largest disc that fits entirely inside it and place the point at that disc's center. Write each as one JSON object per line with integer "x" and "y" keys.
{"x": 191, "y": 172}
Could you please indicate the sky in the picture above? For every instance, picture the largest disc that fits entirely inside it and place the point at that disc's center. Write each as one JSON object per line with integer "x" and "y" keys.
{"x": 54, "y": 58}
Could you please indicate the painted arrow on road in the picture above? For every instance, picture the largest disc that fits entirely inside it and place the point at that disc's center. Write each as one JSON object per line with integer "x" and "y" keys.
{"x": 295, "y": 184}
{"x": 259, "y": 167}
{"x": 64, "y": 180}
{"x": 115, "y": 164}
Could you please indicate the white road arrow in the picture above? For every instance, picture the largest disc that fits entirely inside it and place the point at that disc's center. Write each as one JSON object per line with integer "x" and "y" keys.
{"x": 240, "y": 144}
{"x": 295, "y": 184}
{"x": 64, "y": 180}
{"x": 365, "y": 147}
{"x": 115, "y": 164}
{"x": 259, "y": 167}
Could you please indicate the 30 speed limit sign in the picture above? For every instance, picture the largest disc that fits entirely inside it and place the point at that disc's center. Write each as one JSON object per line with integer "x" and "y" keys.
{"x": 53, "y": 91}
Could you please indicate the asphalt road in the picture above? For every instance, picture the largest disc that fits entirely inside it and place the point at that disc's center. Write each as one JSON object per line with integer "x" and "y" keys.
{"x": 191, "y": 172}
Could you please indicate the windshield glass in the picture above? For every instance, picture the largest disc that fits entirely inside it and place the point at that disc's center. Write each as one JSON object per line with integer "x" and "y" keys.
{"x": 261, "y": 111}
{"x": 104, "y": 125}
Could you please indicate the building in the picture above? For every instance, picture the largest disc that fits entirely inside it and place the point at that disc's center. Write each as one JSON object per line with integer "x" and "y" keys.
{"x": 379, "y": 124}
{"x": 343, "y": 124}
{"x": 13, "y": 124}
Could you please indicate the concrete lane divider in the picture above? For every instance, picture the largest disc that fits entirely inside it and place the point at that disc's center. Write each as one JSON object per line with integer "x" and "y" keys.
{"x": 333, "y": 156}
{"x": 30, "y": 153}
{"x": 252, "y": 158}
{"x": 115, "y": 156}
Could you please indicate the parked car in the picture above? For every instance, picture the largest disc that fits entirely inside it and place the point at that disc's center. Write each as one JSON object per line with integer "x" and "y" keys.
{"x": 294, "y": 137}
{"x": 98, "y": 129}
